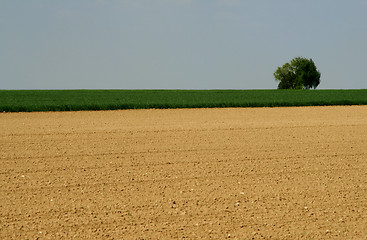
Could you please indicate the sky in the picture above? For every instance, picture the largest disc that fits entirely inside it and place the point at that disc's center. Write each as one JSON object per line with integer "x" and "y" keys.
{"x": 178, "y": 44}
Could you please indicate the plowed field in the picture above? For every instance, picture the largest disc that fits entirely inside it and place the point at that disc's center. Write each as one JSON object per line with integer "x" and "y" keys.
{"x": 256, "y": 173}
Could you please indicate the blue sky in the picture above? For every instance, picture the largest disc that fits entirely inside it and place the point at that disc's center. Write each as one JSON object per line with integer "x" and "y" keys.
{"x": 178, "y": 44}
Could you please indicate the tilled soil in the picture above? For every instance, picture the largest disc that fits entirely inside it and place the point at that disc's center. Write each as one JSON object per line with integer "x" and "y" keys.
{"x": 255, "y": 173}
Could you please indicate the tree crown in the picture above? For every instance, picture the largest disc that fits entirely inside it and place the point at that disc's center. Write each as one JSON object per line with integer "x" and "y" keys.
{"x": 299, "y": 73}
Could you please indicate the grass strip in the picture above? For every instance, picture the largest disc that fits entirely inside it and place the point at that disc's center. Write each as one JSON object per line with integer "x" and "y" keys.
{"x": 78, "y": 100}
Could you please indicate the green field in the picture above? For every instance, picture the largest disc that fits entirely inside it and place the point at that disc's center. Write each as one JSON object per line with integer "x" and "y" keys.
{"x": 75, "y": 100}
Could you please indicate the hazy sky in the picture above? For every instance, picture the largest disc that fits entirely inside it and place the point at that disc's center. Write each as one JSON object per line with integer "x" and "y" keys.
{"x": 178, "y": 44}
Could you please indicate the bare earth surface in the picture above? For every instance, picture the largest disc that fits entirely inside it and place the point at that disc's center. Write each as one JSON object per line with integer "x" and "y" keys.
{"x": 256, "y": 173}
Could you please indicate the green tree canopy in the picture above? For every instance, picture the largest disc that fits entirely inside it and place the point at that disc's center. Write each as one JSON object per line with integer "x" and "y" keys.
{"x": 299, "y": 73}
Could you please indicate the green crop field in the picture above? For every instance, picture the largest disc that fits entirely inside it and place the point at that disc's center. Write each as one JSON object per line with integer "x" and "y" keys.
{"x": 75, "y": 100}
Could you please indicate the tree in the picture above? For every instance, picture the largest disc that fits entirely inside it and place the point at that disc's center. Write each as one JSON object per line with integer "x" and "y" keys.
{"x": 300, "y": 73}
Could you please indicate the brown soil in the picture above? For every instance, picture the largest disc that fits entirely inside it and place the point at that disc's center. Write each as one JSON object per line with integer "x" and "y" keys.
{"x": 280, "y": 173}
